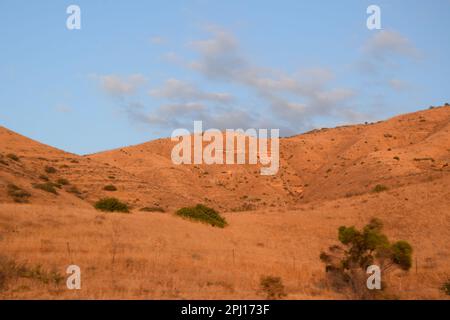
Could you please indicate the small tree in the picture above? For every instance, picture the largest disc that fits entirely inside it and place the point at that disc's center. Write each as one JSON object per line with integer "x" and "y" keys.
{"x": 346, "y": 267}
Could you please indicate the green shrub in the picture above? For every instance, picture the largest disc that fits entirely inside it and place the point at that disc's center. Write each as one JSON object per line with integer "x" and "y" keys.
{"x": 49, "y": 169}
{"x": 43, "y": 177}
{"x": 397, "y": 158}
{"x": 18, "y": 194}
{"x": 12, "y": 156}
{"x": 110, "y": 187}
{"x": 203, "y": 214}
{"x": 62, "y": 181}
{"x": 272, "y": 287}
{"x": 152, "y": 209}
{"x": 346, "y": 267}
{"x": 380, "y": 188}
{"x": 446, "y": 287}
{"x": 111, "y": 205}
{"x": 48, "y": 187}
{"x": 402, "y": 254}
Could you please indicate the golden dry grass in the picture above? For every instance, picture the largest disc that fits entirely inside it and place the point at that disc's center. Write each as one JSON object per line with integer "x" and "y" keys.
{"x": 325, "y": 181}
{"x": 158, "y": 255}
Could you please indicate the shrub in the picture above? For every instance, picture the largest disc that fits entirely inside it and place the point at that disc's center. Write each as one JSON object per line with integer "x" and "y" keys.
{"x": 152, "y": 209}
{"x": 73, "y": 189}
{"x": 346, "y": 267}
{"x": 12, "y": 156}
{"x": 272, "y": 287}
{"x": 12, "y": 271}
{"x": 62, "y": 181}
{"x": 48, "y": 187}
{"x": 380, "y": 188}
{"x": 424, "y": 159}
{"x": 43, "y": 177}
{"x": 49, "y": 169}
{"x": 19, "y": 195}
{"x": 446, "y": 287}
{"x": 203, "y": 214}
{"x": 110, "y": 187}
{"x": 396, "y": 158}
{"x": 111, "y": 205}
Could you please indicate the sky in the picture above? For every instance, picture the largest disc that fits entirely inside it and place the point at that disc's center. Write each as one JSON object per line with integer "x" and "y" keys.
{"x": 137, "y": 70}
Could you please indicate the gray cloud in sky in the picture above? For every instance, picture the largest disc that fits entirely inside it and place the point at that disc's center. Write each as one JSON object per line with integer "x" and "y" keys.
{"x": 289, "y": 101}
{"x": 292, "y": 98}
{"x": 174, "y": 89}
{"x": 116, "y": 85}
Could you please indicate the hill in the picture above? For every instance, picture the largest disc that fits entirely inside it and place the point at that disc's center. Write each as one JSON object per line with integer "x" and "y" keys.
{"x": 396, "y": 170}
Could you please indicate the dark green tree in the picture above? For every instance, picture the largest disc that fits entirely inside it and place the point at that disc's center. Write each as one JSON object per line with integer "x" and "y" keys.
{"x": 346, "y": 264}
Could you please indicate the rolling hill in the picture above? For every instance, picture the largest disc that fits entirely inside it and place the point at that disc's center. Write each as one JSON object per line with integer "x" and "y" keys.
{"x": 277, "y": 224}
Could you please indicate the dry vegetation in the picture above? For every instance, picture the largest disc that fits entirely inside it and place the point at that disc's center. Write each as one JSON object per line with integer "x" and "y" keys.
{"x": 276, "y": 226}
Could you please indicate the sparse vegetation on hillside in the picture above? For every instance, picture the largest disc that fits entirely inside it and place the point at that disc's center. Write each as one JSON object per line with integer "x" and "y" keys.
{"x": 204, "y": 214}
{"x": 10, "y": 271}
{"x": 48, "y": 187}
{"x": 272, "y": 287}
{"x": 380, "y": 188}
{"x": 50, "y": 170}
{"x": 13, "y": 156}
{"x": 446, "y": 287}
{"x": 424, "y": 159}
{"x": 346, "y": 267}
{"x": 18, "y": 194}
{"x": 62, "y": 181}
{"x": 152, "y": 209}
{"x": 111, "y": 205}
{"x": 110, "y": 187}
{"x": 74, "y": 190}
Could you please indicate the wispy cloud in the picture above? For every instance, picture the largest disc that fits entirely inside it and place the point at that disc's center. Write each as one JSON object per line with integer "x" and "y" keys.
{"x": 174, "y": 89}
{"x": 384, "y": 49}
{"x": 293, "y": 98}
{"x": 289, "y": 101}
{"x": 116, "y": 85}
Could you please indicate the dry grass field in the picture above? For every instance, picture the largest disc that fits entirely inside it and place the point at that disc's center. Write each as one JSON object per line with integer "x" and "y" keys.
{"x": 276, "y": 225}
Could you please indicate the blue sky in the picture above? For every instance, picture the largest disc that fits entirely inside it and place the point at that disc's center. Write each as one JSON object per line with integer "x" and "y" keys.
{"x": 137, "y": 70}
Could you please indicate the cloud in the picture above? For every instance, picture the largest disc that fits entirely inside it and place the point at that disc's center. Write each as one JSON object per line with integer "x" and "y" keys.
{"x": 157, "y": 40}
{"x": 178, "y": 90}
{"x": 398, "y": 84}
{"x": 116, "y": 85}
{"x": 182, "y": 115}
{"x": 387, "y": 43}
{"x": 382, "y": 52}
{"x": 294, "y": 98}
